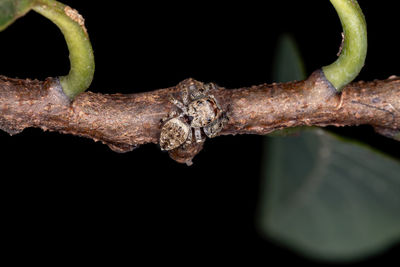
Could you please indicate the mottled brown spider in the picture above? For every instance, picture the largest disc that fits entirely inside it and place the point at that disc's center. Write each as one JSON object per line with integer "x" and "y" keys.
{"x": 199, "y": 113}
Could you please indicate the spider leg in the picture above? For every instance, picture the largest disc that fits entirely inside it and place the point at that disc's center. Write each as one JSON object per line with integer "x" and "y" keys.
{"x": 215, "y": 127}
{"x": 190, "y": 137}
{"x": 218, "y": 106}
{"x": 179, "y": 104}
{"x": 204, "y": 90}
{"x": 171, "y": 115}
{"x": 197, "y": 135}
{"x": 208, "y": 87}
{"x": 185, "y": 96}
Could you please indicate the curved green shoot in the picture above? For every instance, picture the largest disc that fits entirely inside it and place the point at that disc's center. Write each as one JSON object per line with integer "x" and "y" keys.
{"x": 11, "y": 10}
{"x": 354, "y": 46}
{"x": 81, "y": 56}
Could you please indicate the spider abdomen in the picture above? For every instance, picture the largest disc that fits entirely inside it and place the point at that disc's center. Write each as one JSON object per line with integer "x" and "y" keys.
{"x": 174, "y": 133}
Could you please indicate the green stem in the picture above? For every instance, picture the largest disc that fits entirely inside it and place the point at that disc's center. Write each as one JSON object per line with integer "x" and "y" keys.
{"x": 81, "y": 56}
{"x": 354, "y": 47}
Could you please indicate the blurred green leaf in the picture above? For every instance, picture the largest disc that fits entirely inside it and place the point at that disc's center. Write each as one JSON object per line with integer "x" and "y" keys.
{"x": 288, "y": 64}
{"x": 10, "y": 10}
{"x": 330, "y": 199}
{"x": 324, "y": 196}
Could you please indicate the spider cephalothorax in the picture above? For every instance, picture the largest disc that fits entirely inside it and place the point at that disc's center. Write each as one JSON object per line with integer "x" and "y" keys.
{"x": 200, "y": 113}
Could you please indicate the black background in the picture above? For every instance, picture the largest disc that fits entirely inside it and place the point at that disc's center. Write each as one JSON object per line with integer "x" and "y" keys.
{"x": 67, "y": 196}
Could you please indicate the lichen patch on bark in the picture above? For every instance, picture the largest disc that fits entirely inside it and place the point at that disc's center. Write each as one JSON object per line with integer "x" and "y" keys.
{"x": 75, "y": 16}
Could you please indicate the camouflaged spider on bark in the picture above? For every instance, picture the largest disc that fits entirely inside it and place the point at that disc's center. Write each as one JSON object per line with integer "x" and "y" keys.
{"x": 199, "y": 114}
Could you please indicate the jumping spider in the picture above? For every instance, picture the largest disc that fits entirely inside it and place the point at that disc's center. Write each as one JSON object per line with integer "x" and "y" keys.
{"x": 199, "y": 113}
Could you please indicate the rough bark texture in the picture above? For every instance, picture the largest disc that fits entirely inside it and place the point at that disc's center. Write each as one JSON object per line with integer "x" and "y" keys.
{"x": 124, "y": 122}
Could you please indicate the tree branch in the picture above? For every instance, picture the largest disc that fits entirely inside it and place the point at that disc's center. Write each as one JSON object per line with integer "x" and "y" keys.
{"x": 124, "y": 122}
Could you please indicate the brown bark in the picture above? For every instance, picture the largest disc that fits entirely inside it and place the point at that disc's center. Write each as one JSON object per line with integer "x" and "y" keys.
{"x": 124, "y": 122}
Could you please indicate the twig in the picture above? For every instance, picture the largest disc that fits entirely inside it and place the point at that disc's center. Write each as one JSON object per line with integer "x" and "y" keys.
{"x": 124, "y": 122}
